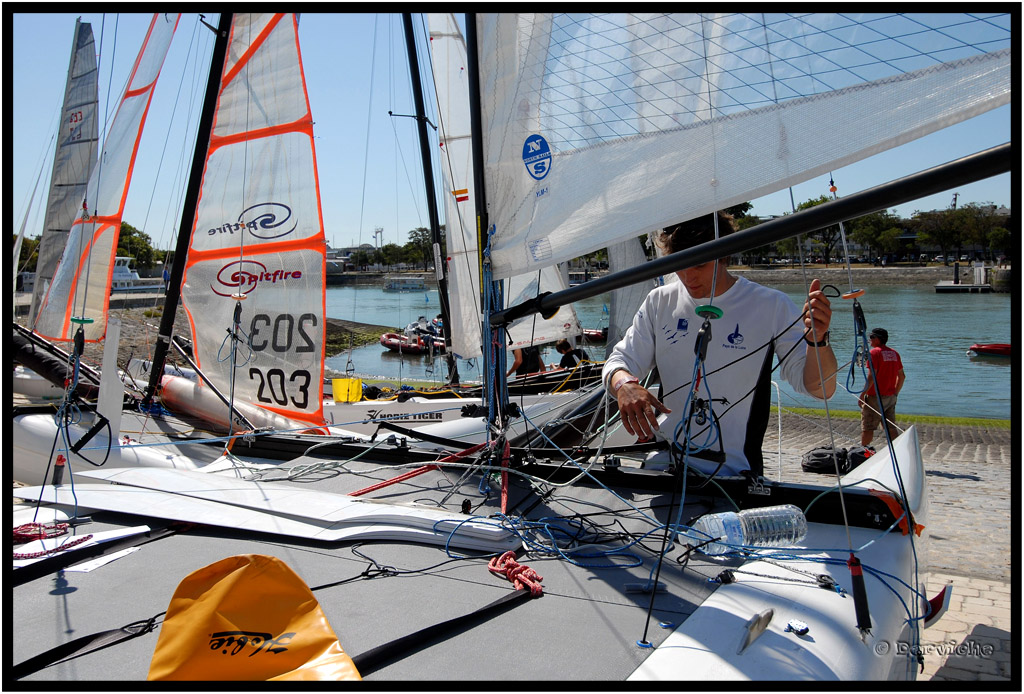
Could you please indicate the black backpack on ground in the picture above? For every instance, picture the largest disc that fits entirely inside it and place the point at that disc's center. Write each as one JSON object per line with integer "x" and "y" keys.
{"x": 819, "y": 460}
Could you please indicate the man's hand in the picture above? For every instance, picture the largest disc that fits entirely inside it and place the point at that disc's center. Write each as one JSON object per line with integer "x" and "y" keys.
{"x": 817, "y": 313}
{"x": 639, "y": 409}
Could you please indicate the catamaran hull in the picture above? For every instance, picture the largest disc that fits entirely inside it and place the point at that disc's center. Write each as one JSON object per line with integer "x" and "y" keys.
{"x": 721, "y": 640}
{"x": 33, "y": 437}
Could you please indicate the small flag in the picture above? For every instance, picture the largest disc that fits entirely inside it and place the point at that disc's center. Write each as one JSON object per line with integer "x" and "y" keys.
{"x": 461, "y": 195}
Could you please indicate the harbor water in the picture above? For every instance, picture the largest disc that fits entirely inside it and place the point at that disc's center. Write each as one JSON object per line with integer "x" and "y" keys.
{"x": 931, "y": 331}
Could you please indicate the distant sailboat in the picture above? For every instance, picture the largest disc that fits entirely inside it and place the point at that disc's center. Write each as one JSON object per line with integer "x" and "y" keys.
{"x": 73, "y": 160}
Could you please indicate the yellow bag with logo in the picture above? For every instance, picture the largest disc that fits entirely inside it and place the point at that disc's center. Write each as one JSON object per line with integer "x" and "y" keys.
{"x": 248, "y": 617}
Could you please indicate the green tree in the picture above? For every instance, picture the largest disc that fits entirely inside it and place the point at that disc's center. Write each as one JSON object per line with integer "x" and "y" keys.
{"x": 739, "y": 211}
{"x": 136, "y": 244}
{"x": 999, "y": 241}
{"x": 361, "y": 258}
{"x": 978, "y": 221}
{"x": 29, "y": 253}
{"x": 744, "y": 222}
{"x": 390, "y": 254}
{"x": 869, "y": 230}
{"x": 420, "y": 247}
{"x": 825, "y": 239}
{"x": 938, "y": 228}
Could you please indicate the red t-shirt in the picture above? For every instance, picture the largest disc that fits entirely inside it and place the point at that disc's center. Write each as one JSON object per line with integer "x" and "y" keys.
{"x": 887, "y": 366}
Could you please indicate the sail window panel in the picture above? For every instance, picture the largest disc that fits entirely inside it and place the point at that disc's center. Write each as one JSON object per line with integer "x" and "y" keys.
{"x": 245, "y": 28}
{"x": 263, "y": 188}
{"x": 152, "y": 58}
{"x": 267, "y": 90}
{"x": 108, "y": 182}
{"x": 82, "y": 289}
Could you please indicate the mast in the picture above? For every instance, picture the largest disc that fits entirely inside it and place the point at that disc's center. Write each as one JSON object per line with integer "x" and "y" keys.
{"x": 493, "y": 347}
{"x": 428, "y": 178}
{"x": 191, "y": 202}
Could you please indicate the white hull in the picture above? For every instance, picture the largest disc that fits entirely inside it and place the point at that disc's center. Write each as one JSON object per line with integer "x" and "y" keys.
{"x": 33, "y": 437}
{"x": 32, "y": 385}
{"x": 708, "y": 644}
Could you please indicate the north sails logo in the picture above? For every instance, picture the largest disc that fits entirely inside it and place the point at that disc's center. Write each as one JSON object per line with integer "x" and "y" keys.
{"x": 245, "y": 275}
{"x": 267, "y": 220}
{"x": 234, "y": 642}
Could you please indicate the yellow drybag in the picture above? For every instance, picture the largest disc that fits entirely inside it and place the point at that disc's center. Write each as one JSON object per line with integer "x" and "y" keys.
{"x": 248, "y": 617}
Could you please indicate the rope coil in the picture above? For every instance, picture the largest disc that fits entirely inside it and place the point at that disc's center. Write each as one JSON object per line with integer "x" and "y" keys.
{"x": 522, "y": 576}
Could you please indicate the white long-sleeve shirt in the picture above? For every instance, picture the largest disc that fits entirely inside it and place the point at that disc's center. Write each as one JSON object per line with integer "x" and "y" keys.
{"x": 664, "y": 332}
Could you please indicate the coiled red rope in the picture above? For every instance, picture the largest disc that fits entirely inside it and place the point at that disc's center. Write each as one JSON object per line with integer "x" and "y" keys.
{"x": 38, "y": 531}
{"x": 522, "y": 576}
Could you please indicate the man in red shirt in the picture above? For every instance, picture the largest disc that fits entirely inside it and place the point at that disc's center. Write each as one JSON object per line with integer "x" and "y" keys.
{"x": 888, "y": 369}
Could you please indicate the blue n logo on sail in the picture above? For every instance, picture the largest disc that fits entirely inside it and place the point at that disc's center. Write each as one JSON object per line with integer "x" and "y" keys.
{"x": 537, "y": 156}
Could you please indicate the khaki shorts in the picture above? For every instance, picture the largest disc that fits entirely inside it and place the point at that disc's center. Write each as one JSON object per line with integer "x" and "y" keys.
{"x": 871, "y": 415}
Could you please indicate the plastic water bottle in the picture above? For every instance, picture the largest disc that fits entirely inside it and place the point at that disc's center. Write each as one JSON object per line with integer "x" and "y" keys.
{"x": 771, "y": 526}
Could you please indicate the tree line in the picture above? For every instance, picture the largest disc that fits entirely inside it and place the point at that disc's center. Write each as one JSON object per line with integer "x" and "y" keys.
{"x": 973, "y": 227}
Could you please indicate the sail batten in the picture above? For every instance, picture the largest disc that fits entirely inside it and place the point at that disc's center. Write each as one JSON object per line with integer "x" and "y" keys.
{"x": 257, "y": 241}
{"x": 602, "y": 127}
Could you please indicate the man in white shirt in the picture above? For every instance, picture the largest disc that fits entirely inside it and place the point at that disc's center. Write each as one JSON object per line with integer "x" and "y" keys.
{"x": 755, "y": 319}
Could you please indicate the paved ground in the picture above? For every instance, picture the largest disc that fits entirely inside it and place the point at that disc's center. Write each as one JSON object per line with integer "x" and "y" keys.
{"x": 970, "y": 485}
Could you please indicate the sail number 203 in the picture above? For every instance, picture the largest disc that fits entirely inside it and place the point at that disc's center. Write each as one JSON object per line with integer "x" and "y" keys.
{"x": 283, "y": 333}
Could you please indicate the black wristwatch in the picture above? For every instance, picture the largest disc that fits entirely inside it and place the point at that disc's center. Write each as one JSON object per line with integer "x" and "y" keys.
{"x": 823, "y": 343}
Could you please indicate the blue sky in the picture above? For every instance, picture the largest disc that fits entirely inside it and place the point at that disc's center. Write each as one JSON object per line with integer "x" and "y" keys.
{"x": 368, "y": 161}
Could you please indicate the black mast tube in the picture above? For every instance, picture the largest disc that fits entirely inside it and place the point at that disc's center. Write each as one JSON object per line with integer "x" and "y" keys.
{"x": 497, "y": 371}
{"x": 188, "y": 213}
{"x": 974, "y": 167}
{"x": 428, "y": 180}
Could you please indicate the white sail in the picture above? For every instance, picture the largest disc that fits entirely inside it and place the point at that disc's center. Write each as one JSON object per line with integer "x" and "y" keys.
{"x": 449, "y": 52}
{"x": 73, "y": 159}
{"x": 625, "y": 301}
{"x": 258, "y": 241}
{"x": 81, "y": 286}
{"x": 600, "y": 127}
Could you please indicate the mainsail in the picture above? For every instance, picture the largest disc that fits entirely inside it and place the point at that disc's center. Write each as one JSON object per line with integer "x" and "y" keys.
{"x": 600, "y": 127}
{"x": 258, "y": 243}
{"x": 81, "y": 286}
{"x": 73, "y": 159}
{"x": 449, "y": 51}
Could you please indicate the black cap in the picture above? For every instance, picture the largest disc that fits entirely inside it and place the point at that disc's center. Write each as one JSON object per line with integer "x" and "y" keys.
{"x": 881, "y": 333}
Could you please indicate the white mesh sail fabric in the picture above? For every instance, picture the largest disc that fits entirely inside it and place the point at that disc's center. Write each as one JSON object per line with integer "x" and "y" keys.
{"x": 81, "y": 285}
{"x": 449, "y": 56}
{"x": 73, "y": 159}
{"x": 599, "y": 127}
{"x": 258, "y": 232}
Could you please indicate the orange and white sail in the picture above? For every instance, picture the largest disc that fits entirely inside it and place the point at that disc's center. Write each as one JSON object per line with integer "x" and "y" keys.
{"x": 80, "y": 288}
{"x": 258, "y": 240}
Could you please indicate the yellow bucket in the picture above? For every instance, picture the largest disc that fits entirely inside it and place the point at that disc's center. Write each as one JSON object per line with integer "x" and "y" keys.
{"x": 347, "y": 389}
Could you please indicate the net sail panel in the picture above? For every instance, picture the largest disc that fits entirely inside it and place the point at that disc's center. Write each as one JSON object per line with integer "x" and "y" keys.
{"x": 81, "y": 284}
{"x": 452, "y": 89}
{"x": 601, "y": 127}
{"x": 258, "y": 239}
{"x": 73, "y": 159}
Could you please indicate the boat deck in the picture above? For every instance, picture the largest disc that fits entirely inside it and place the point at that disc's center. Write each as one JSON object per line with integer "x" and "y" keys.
{"x": 585, "y": 626}
{"x": 583, "y": 603}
